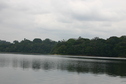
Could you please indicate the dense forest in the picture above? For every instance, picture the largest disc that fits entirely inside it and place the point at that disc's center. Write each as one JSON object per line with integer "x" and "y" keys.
{"x": 111, "y": 47}
{"x": 27, "y": 46}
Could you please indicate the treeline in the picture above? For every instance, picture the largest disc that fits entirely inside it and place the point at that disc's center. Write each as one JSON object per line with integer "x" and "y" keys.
{"x": 111, "y": 47}
{"x": 27, "y": 46}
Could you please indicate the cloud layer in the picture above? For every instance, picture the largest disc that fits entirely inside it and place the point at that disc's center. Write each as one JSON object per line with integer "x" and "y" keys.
{"x": 61, "y": 19}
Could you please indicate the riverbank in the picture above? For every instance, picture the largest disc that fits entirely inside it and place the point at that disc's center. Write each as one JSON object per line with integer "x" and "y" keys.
{"x": 98, "y": 58}
{"x": 74, "y": 56}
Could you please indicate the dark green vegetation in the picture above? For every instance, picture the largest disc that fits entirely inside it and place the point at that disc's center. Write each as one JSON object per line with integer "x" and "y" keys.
{"x": 111, "y": 47}
{"x": 27, "y": 46}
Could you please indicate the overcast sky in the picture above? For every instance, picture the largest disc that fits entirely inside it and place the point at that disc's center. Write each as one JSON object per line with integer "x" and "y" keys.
{"x": 61, "y": 19}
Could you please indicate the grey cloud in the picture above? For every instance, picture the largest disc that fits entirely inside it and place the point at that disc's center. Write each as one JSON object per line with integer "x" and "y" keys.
{"x": 3, "y": 5}
{"x": 61, "y": 19}
{"x": 90, "y": 17}
{"x": 87, "y": 11}
{"x": 93, "y": 15}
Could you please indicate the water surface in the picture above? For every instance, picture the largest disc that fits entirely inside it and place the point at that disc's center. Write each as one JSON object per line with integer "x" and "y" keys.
{"x": 52, "y": 69}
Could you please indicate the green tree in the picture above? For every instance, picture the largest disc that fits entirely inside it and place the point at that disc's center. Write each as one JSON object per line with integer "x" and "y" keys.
{"x": 37, "y": 40}
{"x": 121, "y": 49}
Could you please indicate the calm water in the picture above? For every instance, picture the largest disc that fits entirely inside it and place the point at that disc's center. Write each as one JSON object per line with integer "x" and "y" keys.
{"x": 51, "y": 69}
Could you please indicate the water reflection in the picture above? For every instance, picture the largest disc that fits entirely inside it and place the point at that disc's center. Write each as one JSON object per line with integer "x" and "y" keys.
{"x": 112, "y": 68}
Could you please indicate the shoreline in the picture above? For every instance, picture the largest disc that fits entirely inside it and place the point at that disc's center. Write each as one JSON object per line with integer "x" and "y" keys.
{"x": 98, "y": 58}
{"x": 73, "y": 56}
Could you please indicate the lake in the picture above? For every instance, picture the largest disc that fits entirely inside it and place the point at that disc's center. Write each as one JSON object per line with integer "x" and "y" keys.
{"x": 58, "y": 69}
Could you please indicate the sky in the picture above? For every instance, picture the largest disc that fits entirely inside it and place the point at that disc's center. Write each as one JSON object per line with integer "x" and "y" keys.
{"x": 61, "y": 19}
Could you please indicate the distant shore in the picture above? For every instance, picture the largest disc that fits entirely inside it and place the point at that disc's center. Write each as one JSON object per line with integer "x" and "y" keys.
{"x": 98, "y": 58}
{"x": 74, "y": 56}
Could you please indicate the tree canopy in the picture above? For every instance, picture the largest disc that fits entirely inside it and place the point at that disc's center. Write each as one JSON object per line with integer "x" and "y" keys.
{"x": 111, "y": 47}
{"x": 27, "y": 46}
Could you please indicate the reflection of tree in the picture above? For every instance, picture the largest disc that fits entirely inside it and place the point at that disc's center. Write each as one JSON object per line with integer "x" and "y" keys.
{"x": 47, "y": 65}
{"x": 4, "y": 62}
{"x": 25, "y": 63}
{"x": 117, "y": 69}
{"x": 36, "y": 64}
{"x": 15, "y": 63}
{"x": 112, "y": 68}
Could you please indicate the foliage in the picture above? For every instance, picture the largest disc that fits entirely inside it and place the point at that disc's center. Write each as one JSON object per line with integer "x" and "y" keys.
{"x": 27, "y": 46}
{"x": 111, "y": 47}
